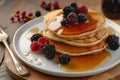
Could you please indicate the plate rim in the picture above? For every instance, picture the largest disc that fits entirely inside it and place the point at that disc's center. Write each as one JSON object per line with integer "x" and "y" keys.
{"x": 66, "y": 74}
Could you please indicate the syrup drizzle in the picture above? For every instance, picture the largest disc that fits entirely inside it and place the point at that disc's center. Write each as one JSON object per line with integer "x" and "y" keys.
{"x": 87, "y": 62}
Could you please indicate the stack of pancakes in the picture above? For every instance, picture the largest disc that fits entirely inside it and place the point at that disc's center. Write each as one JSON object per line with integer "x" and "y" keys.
{"x": 79, "y": 39}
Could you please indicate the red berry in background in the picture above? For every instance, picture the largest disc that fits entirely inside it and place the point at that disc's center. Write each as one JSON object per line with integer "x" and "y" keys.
{"x": 30, "y": 14}
{"x": 43, "y": 41}
{"x": 49, "y": 4}
{"x": 43, "y": 4}
{"x": 35, "y": 46}
{"x": 17, "y": 15}
{"x": 18, "y": 12}
{"x": 82, "y": 9}
{"x": 23, "y": 13}
{"x": 25, "y": 20}
{"x": 56, "y": 5}
{"x": 18, "y": 19}
{"x": 12, "y": 19}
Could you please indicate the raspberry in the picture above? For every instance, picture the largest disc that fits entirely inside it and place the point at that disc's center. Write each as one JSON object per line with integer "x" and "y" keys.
{"x": 35, "y": 46}
{"x": 37, "y": 13}
{"x": 64, "y": 59}
{"x": 113, "y": 42}
{"x": 56, "y": 5}
{"x": 43, "y": 4}
{"x": 35, "y": 37}
{"x": 82, "y": 9}
{"x": 72, "y": 18}
{"x": 49, "y": 51}
{"x": 82, "y": 17}
{"x": 44, "y": 41}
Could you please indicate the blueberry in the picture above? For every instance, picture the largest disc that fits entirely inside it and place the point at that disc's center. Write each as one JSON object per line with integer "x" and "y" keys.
{"x": 35, "y": 37}
{"x": 64, "y": 59}
{"x": 49, "y": 51}
{"x": 74, "y": 4}
{"x": 82, "y": 17}
{"x": 113, "y": 42}
{"x": 64, "y": 22}
{"x": 37, "y": 13}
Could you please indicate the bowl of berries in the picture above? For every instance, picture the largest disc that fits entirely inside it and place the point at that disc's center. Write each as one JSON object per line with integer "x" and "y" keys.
{"x": 69, "y": 42}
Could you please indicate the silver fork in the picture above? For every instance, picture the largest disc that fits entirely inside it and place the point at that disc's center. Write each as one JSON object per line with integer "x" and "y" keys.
{"x": 19, "y": 67}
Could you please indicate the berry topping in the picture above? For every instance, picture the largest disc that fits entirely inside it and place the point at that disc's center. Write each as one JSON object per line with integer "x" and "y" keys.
{"x": 35, "y": 46}
{"x": 82, "y": 9}
{"x": 69, "y": 9}
{"x": 37, "y": 13}
{"x": 72, "y": 18}
{"x": 64, "y": 59}
{"x": 35, "y": 37}
{"x": 64, "y": 22}
{"x": 66, "y": 10}
{"x": 49, "y": 51}
{"x": 82, "y": 17}
{"x": 74, "y": 4}
{"x": 44, "y": 41}
{"x": 113, "y": 42}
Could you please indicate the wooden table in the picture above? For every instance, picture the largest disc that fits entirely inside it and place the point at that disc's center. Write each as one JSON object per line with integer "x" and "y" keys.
{"x": 31, "y": 6}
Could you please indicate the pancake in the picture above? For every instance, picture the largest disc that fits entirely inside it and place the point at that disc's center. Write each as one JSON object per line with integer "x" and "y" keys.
{"x": 78, "y": 39}
{"x": 94, "y": 23}
{"x": 86, "y": 41}
{"x": 77, "y": 51}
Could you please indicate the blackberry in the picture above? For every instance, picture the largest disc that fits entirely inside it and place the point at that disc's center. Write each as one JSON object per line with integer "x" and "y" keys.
{"x": 64, "y": 22}
{"x": 64, "y": 59}
{"x": 69, "y": 9}
{"x": 74, "y": 4}
{"x": 113, "y": 42}
{"x": 35, "y": 37}
{"x": 49, "y": 51}
{"x": 72, "y": 18}
{"x": 82, "y": 17}
{"x": 66, "y": 10}
{"x": 37, "y": 13}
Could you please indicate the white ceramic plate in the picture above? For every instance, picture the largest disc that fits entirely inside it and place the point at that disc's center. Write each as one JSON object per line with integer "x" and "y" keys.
{"x": 21, "y": 45}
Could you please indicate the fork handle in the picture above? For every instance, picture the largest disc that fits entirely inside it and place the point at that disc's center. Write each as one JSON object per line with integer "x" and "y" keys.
{"x": 11, "y": 53}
